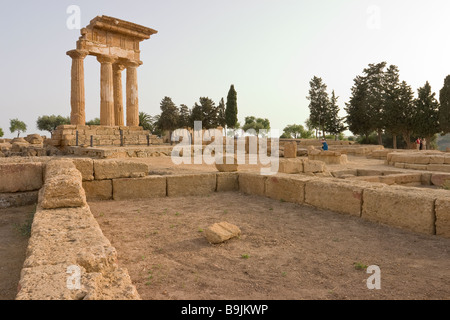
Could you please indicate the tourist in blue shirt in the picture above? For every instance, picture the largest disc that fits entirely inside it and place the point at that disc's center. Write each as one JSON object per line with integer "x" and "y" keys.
{"x": 324, "y": 145}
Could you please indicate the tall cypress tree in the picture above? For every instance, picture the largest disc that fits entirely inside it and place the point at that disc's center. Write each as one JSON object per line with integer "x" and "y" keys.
{"x": 426, "y": 118}
{"x": 333, "y": 122}
{"x": 231, "y": 109}
{"x": 221, "y": 118}
{"x": 185, "y": 116}
{"x": 169, "y": 117}
{"x": 444, "y": 110}
{"x": 319, "y": 102}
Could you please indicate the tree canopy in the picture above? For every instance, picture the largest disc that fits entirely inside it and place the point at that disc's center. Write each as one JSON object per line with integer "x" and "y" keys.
{"x": 444, "y": 111}
{"x": 17, "y": 125}
{"x": 50, "y": 123}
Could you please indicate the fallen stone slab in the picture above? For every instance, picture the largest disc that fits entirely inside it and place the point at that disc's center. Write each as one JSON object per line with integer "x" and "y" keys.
{"x": 220, "y": 232}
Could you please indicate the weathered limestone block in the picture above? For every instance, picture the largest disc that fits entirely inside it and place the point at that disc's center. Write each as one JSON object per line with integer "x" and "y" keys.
{"x": 443, "y": 217}
{"x": 286, "y": 188}
{"x": 227, "y": 181}
{"x": 220, "y": 232}
{"x": 86, "y": 167}
{"x": 34, "y": 139}
{"x": 229, "y": 164}
{"x": 98, "y": 189}
{"x": 400, "y": 165}
{"x": 62, "y": 187}
{"x": 17, "y": 177}
{"x": 343, "y": 196}
{"x": 400, "y": 207}
{"x": 437, "y": 159}
{"x": 439, "y": 167}
{"x": 290, "y": 165}
{"x": 290, "y": 149}
{"x": 313, "y": 166}
{"x": 113, "y": 169}
{"x": 415, "y": 166}
{"x": 439, "y": 179}
{"x": 252, "y": 183}
{"x": 191, "y": 184}
{"x": 139, "y": 188}
{"x": 419, "y": 159}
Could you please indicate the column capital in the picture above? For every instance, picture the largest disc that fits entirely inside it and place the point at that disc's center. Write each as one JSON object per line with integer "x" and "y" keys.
{"x": 118, "y": 67}
{"x": 132, "y": 64}
{"x": 106, "y": 59}
{"x": 77, "y": 54}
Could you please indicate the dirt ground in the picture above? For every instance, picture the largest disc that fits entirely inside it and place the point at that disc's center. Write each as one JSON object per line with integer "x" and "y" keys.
{"x": 14, "y": 223}
{"x": 286, "y": 251}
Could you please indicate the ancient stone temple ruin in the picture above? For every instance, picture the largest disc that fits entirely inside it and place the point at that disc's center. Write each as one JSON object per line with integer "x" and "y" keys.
{"x": 115, "y": 44}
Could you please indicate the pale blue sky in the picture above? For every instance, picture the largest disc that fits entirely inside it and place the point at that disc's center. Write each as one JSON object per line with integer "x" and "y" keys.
{"x": 268, "y": 49}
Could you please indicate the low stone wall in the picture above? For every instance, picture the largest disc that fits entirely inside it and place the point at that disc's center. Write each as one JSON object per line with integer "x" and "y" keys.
{"x": 65, "y": 135}
{"x": 423, "y": 211}
{"x": 420, "y": 160}
{"x": 328, "y": 157}
{"x": 66, "y": 242}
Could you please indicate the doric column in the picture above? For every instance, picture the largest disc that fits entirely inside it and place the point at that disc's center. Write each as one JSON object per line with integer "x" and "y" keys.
{"x": 106, "y": 91}
{"x": 77, "y": 99}
{"x": 132, "y": 94}
{"x": 118, "y": 97}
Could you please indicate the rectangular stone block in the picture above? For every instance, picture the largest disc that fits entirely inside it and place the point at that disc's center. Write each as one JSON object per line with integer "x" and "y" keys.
{"x": 252, "y": 183}
{"x": 139, "y": 188}
{"x": 98, "y": 189}
{"x": 290, "y": 150}
{"x": 442, "y": 208}
{"x": 415, "y": 166}
{"x": 313, "y": 166}
{"x": 290, "y": 166}
{"x": 421, "y": 159}
{"x": 447, "y": 158}
{"x": 400, "y": 207}
{"x": 86, "y": 167}
{"x": 227, "y": 181}
{"x": 439, "y": 167}
{"x": 114, "y": 169}
{"x": 440, "y": 179}
{"x": 286, "y": 188}
{"x": 399, "y": 165}
{"x": 17, "y": 177}
{"x": 191, "y": 184}
{"x": 343, "y": 196}
{"x": 437, "y": 159}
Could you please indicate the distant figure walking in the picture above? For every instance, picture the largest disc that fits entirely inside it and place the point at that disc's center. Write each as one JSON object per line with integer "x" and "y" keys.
{"x": 424, "y": 144}
{"x": 418, "y": 144}
{"x": 421, "y": 144}
{"x": 324, "y": 145}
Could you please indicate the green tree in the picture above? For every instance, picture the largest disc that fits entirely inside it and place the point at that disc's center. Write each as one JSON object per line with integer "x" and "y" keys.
{"x": 231, "y": 110}
{"x": 146, "y": 121}
{"x": 1, "y": 132}
{"x": 17, "y": 125}
{"x": 296, "y": 131}
{"x": 93, "y": 122}
{"x": 50, "y": 123}
{"x": 256, "y": 124}
{"x": 444, "y": 110}
{"x": 221, "y": 117}
{"x": 375, "y": 78}
{"x": 426, "y": 118}
{"x": 333, "y": 123}
{"x": 185, "y": 116}
{"x": 209, "y": 111}
{"x": 318, "y": 103}
{"x": 399, "y": 108}
{"x": 196, "y": 114}
{"x": 365, "y": 108}
{"x": 169, "y": 117}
